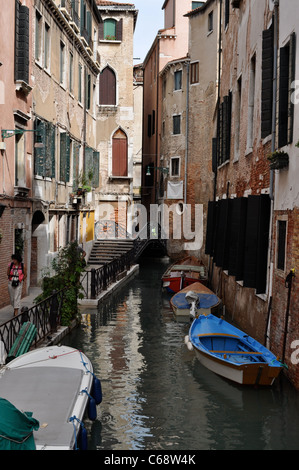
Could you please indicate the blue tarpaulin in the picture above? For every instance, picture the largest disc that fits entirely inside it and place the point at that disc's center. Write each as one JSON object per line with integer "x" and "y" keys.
{"x": 205, "y": 300}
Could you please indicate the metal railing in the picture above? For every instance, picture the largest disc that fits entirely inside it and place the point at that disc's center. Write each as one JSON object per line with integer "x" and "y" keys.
{"x": 45, "y": 315}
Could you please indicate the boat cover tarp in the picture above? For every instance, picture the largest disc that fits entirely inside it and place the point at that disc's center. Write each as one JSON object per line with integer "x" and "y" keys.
{"x": 205, "y": 300}
{"x": 16, "y": 427}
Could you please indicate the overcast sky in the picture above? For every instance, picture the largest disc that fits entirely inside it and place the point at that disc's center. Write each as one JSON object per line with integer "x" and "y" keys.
{"x": 150, "y": 20}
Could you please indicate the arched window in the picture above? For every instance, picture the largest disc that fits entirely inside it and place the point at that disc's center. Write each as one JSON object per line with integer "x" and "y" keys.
{"x": 107, "y": 87}
{"x": 119, "y": 154}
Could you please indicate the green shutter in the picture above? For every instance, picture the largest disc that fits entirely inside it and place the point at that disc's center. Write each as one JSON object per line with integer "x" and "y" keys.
{"x": 76, "y": 154}
{"x": 62, "y": 173}
{"x": 50, "y": 150}
{"x": 39, "y": 151}
{"x": 96, "y": 169}
{"x": 88, "y": 161}
{"x": 110, "y": 29}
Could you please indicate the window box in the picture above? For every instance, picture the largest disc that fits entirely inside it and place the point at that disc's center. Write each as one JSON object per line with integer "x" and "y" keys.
{"x": 278, "y": 160}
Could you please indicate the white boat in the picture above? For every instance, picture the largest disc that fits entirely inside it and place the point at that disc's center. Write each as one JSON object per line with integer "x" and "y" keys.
{"x": 55, "y": 384}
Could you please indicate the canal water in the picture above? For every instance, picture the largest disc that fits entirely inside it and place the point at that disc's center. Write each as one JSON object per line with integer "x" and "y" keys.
{"x": 156, "y": 394}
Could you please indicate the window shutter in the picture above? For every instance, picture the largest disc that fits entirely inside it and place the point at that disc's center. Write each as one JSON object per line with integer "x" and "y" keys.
{"x": 22, "y": 42}
{"x": 210, "y": 231}
{"x": 101, "y": 31}
{"x": 64, "y": 157}
{"x": 88, "y": 161}
{"x": 284, "y": 95}
{"x": 50, "y": 150}
{"x": 267, "y": 82}
{"x": 256, "y": 242}
{"x": 119, "y": 155}
{"x": 88, "y": 24}
{"x": 107, "y": 87}
{"x": 222, "y": 233}
{"x": 96, "y": 169}
{"x": 291, "y": 80}
{"x": 110, "y": 28}
{"x": 39, "y": 151}
{"x": 119, "y": 30}
{"x": 237, "y": 237}
{"x": 76, "y": 153}
{"x": 263, "y": 242}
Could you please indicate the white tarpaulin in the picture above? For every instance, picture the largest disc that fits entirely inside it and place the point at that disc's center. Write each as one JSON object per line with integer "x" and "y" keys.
{"x": 175, "y": 190}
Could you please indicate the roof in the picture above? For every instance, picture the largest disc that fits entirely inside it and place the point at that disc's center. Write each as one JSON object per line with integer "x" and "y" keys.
{"x": 199, "y": 9}
{"x": 109, "y": 3}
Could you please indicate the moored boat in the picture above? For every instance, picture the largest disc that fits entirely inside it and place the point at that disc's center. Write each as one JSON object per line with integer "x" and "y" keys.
{"x": 55, "y": 386}
{"x": 203, "y": 299}
{"x": 183, "y": 273}
{"x": 229, "y": 352}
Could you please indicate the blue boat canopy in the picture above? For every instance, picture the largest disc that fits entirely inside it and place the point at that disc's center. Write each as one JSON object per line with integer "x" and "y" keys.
{"x": 16, "y": 428}
{"x": 205, "y": 300}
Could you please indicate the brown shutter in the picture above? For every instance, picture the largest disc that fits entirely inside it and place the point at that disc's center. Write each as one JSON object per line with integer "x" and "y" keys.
{"x": 107, "y": 87}
{"x": 119, "y": 30}
{"x": 267, "y": 82}
{"x": 101, "y": 31}
{"x": 119, "y": 154}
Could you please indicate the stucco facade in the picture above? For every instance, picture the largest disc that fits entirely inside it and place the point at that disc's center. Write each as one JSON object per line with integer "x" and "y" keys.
{"x": 64, "y": 69}
{"x": 116, "y": 116}
{"x": 16, "y": 151}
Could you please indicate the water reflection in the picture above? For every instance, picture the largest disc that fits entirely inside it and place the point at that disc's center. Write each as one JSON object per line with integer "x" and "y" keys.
{"x": 156, "y": 395}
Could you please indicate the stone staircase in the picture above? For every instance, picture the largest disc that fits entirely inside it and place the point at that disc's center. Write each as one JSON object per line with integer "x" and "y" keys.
{"x": 104, "y": 251}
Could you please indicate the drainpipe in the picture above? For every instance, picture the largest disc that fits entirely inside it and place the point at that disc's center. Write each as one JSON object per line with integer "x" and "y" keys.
{"x": 273, "y": 145}
{"x": 219, "y": 80}
{"x": 274, "y": 105}
{"x": 187, "y": 134}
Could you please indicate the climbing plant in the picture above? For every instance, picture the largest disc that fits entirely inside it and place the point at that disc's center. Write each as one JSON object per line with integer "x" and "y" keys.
{"x": 66, "y": 269}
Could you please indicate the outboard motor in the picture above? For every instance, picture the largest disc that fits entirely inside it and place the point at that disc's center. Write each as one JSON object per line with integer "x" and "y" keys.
{"x": 193, "y": 301}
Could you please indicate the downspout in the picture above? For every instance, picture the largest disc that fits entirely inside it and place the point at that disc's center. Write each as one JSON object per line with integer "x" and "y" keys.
{"x": 219, "y": 80}
{"x": 157, "y": 121}
{"x": 271, "y": 189}
{"x": 187, "y": 134}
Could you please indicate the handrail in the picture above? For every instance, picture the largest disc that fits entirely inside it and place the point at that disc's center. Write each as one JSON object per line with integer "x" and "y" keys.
{"x": 45, "y": 315}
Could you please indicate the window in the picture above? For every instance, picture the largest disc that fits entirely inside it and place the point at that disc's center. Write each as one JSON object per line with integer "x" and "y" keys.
{"x": 175, "y": 166}
{"x": 251, "y": 100}
{"x": 107, "y": 87}
{"x": 286, "y": 107}
{"x": 178, "y": 80}
{"x": 110, "y": 29}
{"x": 164, "y": 88}
{"x": 20, "y": 179}
{"x": 210, "y": 21}
{"x": 119, "y": 154}
{"x": 38, "y": 35}
{"x": 71, "y": 72}
{"x": 62, "y": 62}
{"x": 281, "y": 243}
{"x": 44, "y": 149}
{"x": 153, "y": 122}
{"x": 267, "y": 82}
{"x": 64, "y": 173}
{"x": 80, "y": 83}
{"x": 88, "y": 90}
{"x": 177, "y": 124}
{"x": 226, "y": 19}
{"x": 194, "y": 76}
{"x": 224, "y": 129}
{"x": 22, "y": 43}
{"x": 238, "y": 118}
{"x": 47, "y": 47}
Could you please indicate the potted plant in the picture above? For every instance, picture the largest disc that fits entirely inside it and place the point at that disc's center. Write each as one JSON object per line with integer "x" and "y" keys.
{"x": 84, "y": 183}
{"x": 278, "y": 159}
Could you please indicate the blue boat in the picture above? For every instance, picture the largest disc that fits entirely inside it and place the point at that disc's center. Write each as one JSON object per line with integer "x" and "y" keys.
{"x": 231, "y": 353}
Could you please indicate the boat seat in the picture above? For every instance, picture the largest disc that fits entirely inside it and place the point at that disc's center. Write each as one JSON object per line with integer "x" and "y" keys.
{"x": 235, "y": 352}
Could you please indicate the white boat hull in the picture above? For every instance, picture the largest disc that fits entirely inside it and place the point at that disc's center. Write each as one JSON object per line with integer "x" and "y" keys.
{"x": 52, "y": 384}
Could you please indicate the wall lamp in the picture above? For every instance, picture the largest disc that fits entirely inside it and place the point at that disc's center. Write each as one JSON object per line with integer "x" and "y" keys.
{"x": 161, "y": 168}
{"x": 6, "y": 133}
